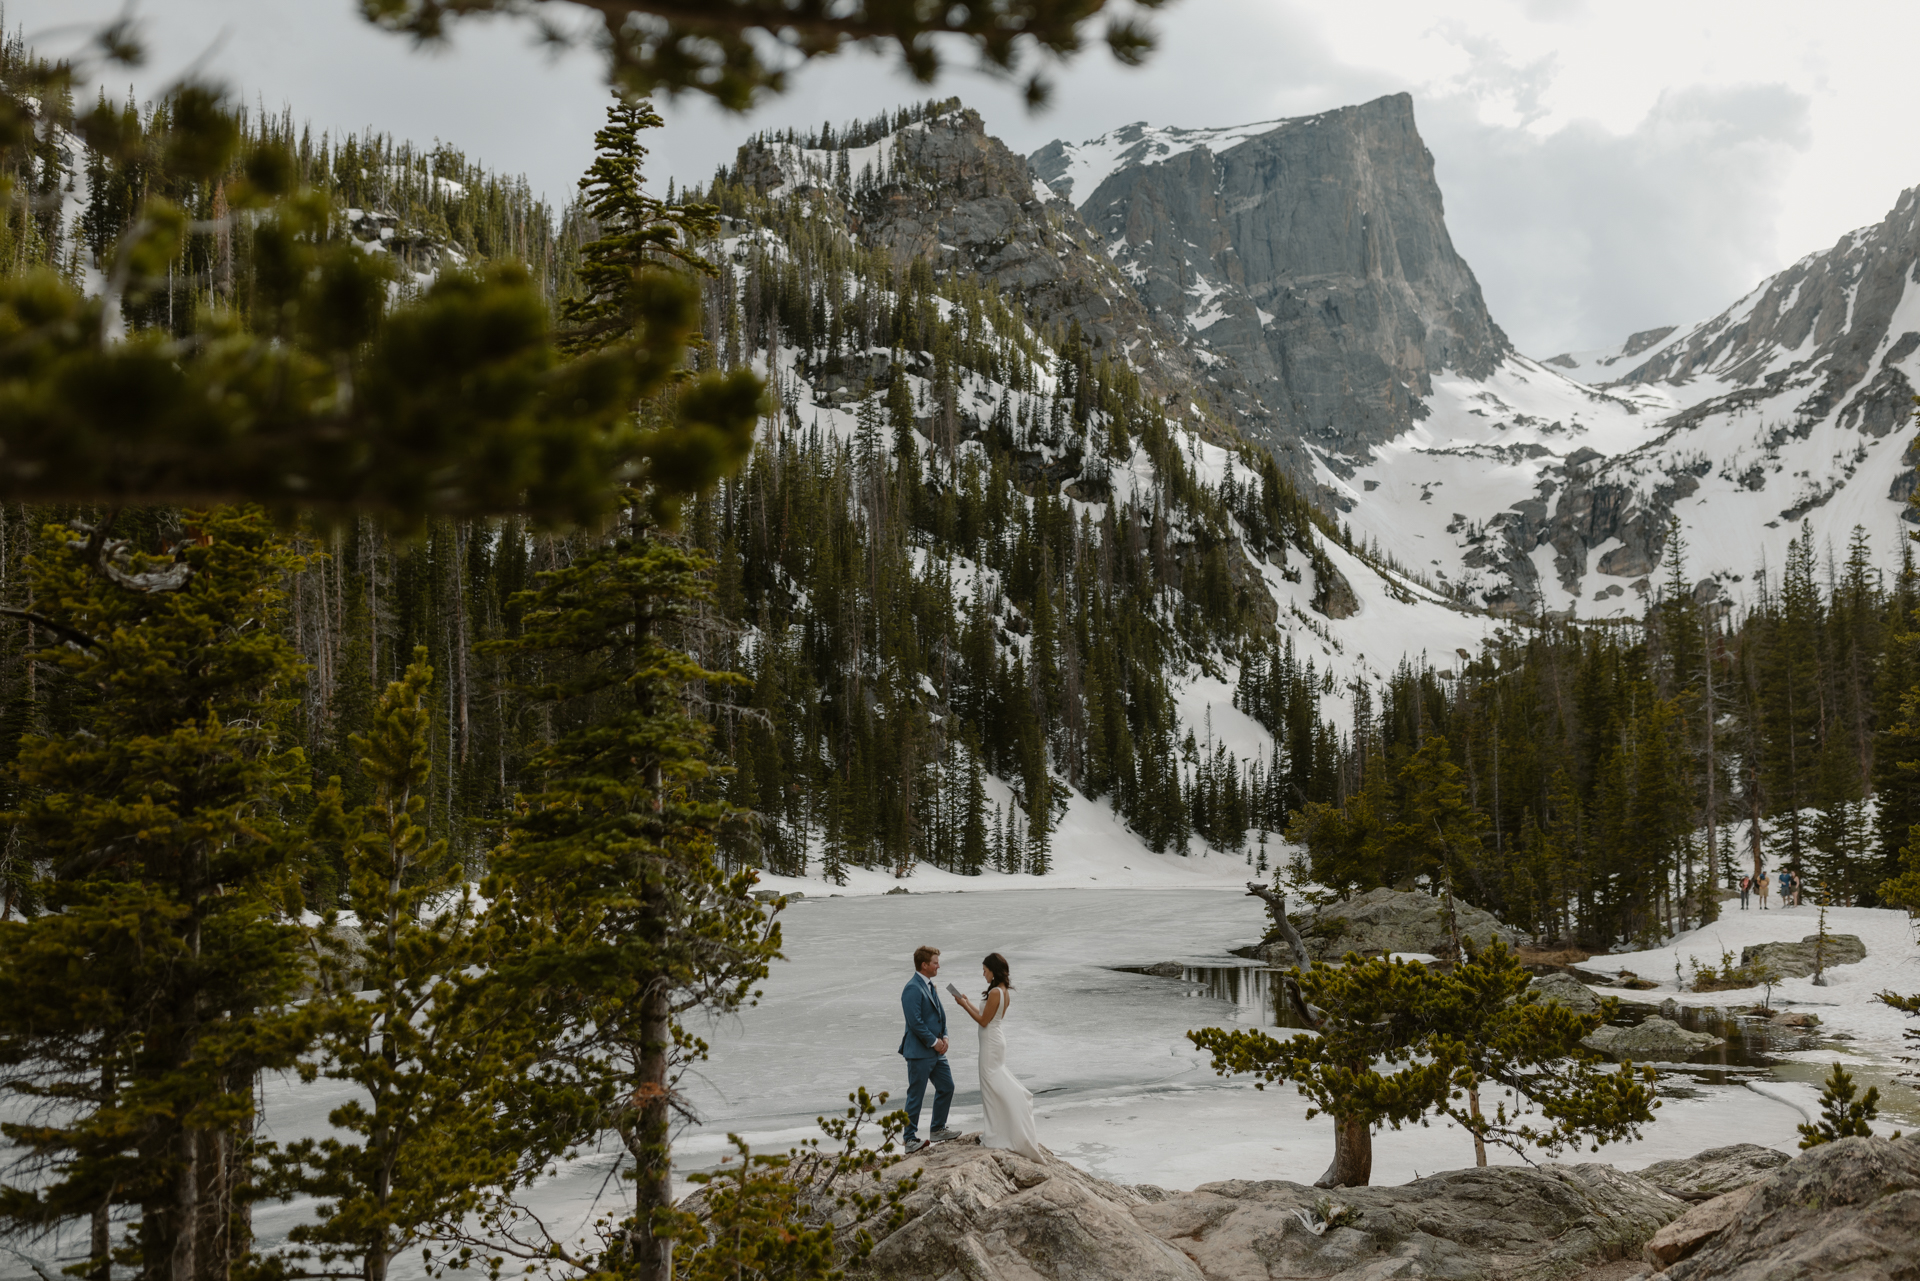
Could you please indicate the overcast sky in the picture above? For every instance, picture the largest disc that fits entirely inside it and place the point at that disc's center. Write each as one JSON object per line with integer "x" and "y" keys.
{"x": 1608, "y": 165}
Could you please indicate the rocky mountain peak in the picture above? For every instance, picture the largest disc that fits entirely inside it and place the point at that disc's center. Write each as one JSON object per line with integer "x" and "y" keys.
{"x": 1310, "y": 256}
{"x": 1837, "y": 324}
{"x": 947, "y": 192}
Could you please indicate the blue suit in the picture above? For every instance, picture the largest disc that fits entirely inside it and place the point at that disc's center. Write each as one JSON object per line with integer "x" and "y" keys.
{"x": 926, "y": 1024}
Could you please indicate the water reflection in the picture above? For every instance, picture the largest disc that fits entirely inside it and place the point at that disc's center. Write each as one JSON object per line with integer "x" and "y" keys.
{"x": 1250, "y": 989}
{"x": 1750, "y": 1044}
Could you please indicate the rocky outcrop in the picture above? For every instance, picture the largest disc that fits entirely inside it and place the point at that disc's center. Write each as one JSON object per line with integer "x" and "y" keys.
{"x": 1845, "y": 1209}
{"x": 1797, "y": 960}
{"x": 1383, "y": 921}
{"x": 1696, "y": 1227}
{"x": 1714, "y": 1172}
{"x": 981, "y": 1215}
{"x": 1654, "y": 1040}
{"x": 1566, "y": 990}
{"x": 984, "y": 1215}
{"x": 1493, "y": 1223}
{"x": 1823, "y": 346}
{"x": 1311, "y": 254}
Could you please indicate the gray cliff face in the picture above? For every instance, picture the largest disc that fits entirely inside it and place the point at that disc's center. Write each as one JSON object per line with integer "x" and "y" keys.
{"x": 1311, "y": 256}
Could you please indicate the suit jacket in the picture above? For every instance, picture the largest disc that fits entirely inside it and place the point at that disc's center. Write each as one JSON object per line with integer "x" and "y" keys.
{"x": 926, "y": 1018}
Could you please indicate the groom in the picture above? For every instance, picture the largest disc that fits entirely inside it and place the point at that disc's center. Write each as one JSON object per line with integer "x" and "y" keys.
{"x": 925, "y": 1049}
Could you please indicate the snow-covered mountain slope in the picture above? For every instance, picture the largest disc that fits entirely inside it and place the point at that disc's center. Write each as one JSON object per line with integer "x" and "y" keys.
{"x": 1786, "y": 410}
{"x": 1309, "y": 259}
{"x": 931, "y": 212}
{"x": 1604, "y": 364}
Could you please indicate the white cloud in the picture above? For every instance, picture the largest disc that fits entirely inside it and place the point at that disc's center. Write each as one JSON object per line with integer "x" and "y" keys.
{"x": 1581, "y": 236}
{"x": 1606, "y": 166}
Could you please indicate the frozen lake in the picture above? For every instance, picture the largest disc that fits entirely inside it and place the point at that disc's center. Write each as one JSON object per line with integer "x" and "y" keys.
{"x": 1119, "y": 1089}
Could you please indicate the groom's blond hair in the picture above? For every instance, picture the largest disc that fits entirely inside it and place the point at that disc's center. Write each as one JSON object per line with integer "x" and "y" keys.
{"x": 921, "y": 955}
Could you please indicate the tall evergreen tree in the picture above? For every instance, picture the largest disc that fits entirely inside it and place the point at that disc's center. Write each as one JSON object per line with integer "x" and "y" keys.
{"x": 153, "y": 993}
{"x": 436, "y": 1111}
{"x": 615, "y": 915}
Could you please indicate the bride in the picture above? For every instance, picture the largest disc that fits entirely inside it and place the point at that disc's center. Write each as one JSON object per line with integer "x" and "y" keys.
{"x": 1009, "y": 1104}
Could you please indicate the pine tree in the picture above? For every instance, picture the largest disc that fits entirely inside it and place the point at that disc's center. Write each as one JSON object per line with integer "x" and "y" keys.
{"x": 436, "y": 1111}
{"x": 161, "y": 823}
{"x": 1364, "y": 1064}
{"x": 616, "y": 916}
{"x": 1841, "y": 1115}
{"x": 975, "y": 843}
{"x": 1480, "y": 1016}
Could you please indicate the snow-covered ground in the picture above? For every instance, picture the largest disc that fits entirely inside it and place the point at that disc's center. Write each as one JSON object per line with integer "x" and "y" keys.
{"x": 1856, "y": 1030}
{"x": 1091, "y": 847}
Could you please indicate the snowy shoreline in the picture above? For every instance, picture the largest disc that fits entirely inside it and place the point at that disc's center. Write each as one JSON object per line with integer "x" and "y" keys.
{"x": 1091, "y": 849}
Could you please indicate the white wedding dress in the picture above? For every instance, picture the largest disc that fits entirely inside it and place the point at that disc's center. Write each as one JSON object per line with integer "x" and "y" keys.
{"x": 1009, "y": 1104}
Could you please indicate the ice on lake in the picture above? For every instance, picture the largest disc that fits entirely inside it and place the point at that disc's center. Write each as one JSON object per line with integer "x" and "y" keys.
{"x": 1118, "y": 1088}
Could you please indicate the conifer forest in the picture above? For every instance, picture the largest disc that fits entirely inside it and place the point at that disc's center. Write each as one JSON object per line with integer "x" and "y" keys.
{"x": 844, "y": 558}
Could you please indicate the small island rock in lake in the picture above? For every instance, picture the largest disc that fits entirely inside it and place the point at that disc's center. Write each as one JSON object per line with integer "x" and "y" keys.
{"x": 1566, "y": 990}
{"x": 1655, "y": 1039}
{"x": 1384, "y": 921}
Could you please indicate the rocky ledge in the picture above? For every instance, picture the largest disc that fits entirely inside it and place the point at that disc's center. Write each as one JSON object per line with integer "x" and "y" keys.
{"x": 982, "y": 1215}
{"x": 1846, "y": 1209}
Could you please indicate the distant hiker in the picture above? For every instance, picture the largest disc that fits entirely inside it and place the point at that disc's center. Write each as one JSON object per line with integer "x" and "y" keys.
{"x": 1786, "y": 888}
{"x": 1760, "y": 884}
{"x": 1746, "y": 888}
{"x": 1796, "y": 889}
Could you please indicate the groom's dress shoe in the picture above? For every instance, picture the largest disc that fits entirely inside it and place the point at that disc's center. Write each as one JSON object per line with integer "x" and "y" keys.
{"x": 942, "y": 1135}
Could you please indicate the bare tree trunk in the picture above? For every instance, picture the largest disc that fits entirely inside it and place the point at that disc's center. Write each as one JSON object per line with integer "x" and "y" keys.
{"x": 460, "y": 636}
{"x": 100, "y": 1242}
{"x": 1352, "y": 1155}
{"x": 100, "y": 1236}
{"x": 1479, "y": 1123}
{"x": 648, "y": 1141}
{"x": 185, "y": 1211}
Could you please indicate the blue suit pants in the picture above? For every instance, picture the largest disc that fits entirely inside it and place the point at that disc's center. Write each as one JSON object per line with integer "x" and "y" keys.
{"x": 919, "y": 1072}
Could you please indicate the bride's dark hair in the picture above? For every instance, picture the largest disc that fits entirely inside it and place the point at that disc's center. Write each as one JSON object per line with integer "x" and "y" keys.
{"x": 997, "y": 966}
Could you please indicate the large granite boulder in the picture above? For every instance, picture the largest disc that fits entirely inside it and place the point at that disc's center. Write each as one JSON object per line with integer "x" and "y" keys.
{"x": 1654, "y": 1040}
{"x": 1849, "y": 1209}
{"x": 1383, "y": 921}
{"x": 1566, "y": 990}
{"x": 1697, "y": 1226}
{"x": 981, "y": 1215}
{"x": 1796, "y": 960}
{"x": 1714, "y": 1172}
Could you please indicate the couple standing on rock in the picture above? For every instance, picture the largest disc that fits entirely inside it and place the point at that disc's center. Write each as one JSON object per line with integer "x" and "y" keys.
{"x": 1008, "y": 1104}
